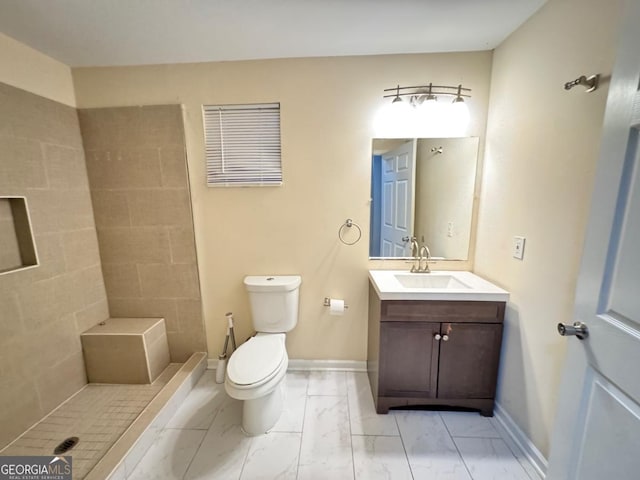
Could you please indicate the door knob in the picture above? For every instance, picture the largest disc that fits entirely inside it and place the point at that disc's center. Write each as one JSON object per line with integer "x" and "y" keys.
{"x": 578, "y": 329}
{"x": 445, "y": 338}
{"x": 437, "y": 336}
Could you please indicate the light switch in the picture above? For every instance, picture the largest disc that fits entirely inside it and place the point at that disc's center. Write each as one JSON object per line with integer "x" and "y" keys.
{"x": 518, "y": 247}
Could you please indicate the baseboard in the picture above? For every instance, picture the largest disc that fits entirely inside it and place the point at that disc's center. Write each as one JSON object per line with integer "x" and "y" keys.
{"x": 338, "y": 365}
{"x": 299, "y": 365}
{"x": 531, "y": 452}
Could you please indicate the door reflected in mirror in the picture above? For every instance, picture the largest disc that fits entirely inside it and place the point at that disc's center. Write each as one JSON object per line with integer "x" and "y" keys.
{"x": 422, "y": 187}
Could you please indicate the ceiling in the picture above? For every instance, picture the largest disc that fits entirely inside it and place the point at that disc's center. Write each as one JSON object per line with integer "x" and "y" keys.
{"x": 136, "y": 32}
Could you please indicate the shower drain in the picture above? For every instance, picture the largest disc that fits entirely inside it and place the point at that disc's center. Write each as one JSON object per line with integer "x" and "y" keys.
{"x": 66, "y": 445}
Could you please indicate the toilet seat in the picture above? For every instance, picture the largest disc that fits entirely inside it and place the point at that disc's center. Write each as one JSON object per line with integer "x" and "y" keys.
{"x": 257, "y": 361}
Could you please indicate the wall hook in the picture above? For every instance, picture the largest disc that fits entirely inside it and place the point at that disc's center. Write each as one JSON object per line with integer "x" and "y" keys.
{"x": 591, "y": 83}
{"x": 436, "y": 150}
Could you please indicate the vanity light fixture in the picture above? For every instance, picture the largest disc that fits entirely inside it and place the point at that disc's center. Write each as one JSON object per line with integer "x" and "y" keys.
{"x": 422, "y": 93}
{"x": 416, "y": 112}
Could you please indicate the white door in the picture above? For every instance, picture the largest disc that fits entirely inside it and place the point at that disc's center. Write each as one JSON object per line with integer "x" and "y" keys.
{"x": 597, "y": 430}
{"x": 398, "y": 167}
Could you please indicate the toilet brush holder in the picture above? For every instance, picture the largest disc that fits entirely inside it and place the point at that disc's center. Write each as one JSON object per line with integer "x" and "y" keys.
{"x": 220, "y": 369}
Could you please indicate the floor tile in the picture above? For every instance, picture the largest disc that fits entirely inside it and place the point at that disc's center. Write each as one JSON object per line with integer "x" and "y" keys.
{"x": 292, "y": 417}
{"x": 201, "y": 406}
{"x": 169, "y": 456}
{"x": 321, "y": 436}
{"x": 490, "y": 459}
{"x": 431, "y": 451}
{"x": 469, "y": 424}
{"x": 517, "y": 451}
{"x": 326, "y": 440}
{"x": 362, "y": 412}
{"x": 327, "y": 383}
{"x": 224, "y": 448}
{"x": 273, "y": 456}
{"x": 380, "y": 458}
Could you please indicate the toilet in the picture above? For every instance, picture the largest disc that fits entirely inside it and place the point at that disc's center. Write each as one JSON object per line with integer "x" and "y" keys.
{"x": 256, "y": 370}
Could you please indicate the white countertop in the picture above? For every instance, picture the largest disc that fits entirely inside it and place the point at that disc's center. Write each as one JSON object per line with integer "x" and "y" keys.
{"x": 465, "y": 286}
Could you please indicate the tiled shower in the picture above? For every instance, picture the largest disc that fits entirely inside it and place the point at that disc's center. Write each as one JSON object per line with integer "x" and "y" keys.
{"x": 108, "y": 196}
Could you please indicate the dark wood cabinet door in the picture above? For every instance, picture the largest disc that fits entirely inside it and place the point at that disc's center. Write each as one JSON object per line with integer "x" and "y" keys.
{"x": 408, "y": 359}
{"x": 469, "y": 360}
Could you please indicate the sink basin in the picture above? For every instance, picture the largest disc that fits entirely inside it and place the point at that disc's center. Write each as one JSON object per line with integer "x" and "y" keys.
{"x": 439, "y": 285}
{"x": 425, "y": 280}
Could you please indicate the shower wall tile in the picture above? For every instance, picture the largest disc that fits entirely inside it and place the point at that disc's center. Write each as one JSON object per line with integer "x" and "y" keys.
{"x": 51, "y": 254}
{"x": 85, "y": 318}
{"x": 183, "y": 247}
{"x": 114, "y": 207}
{"x": 44, "y": 309}
{"x": 168, "y": 207}
{"x": 173, "y": 166}
{"x": 146, "y": 307}
{"x": 137, "y": 171}
{"x": 122, "y": 169}
{"x": 11, "y": 325}
{"x": 22, "y": 164}
{"x": 66, "y": 168}
{"x": 134, "y": 246}
{"x": 187, "y": 311}
{"x": 54, "y": 389}
{"x": 81, "y": 249}
{"x": 122, "y": 280}
{"x": 182, "y": 343}
{"x": 164, "y": 281}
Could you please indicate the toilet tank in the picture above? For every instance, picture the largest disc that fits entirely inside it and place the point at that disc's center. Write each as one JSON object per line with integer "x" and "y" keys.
{"x": 274, "y": 302}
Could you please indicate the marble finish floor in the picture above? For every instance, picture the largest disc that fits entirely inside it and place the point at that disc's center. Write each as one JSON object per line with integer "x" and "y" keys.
{"x": 329, "y": 430}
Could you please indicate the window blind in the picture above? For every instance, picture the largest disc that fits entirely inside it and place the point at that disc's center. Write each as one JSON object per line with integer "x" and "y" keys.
{"x": 242, "y": 145}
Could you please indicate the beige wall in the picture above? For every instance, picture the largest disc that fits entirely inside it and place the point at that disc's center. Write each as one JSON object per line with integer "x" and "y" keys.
{"x": 137, "y": 170}
{"x": 43, "y": 310}
{"x": 445, "y": 190}
{"x": 327, "y": 108}
{"x": 542, "y": 146}
{"x": 23, "y": 67}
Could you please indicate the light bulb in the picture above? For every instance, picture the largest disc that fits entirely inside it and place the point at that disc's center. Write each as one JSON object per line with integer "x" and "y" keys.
{"x": 459, "y": 116}
{"x": 394, "y": 119}
{"x": 428, "y": 117}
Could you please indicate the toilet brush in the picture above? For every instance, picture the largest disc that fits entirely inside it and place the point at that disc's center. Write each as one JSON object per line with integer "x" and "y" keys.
{"x": 220, "y": 369}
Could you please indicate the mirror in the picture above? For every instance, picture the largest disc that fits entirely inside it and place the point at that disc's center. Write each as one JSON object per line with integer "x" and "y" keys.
{"x": 422, "y": 187}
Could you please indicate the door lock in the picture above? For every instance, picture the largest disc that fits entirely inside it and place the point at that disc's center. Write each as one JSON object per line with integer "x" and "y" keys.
{"x": 578, "y": 329}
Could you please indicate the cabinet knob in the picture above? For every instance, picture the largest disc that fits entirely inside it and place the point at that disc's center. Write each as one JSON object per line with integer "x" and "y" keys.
{"x": 445, "y": 338}
{"x": 437, "y": 336}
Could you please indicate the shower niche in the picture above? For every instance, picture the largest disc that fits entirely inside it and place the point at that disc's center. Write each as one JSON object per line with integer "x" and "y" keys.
{"x": 17, "y": 245}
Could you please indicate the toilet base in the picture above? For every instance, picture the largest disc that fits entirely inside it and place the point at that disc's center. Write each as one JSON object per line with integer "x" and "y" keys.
{"x": 261, "y": 414}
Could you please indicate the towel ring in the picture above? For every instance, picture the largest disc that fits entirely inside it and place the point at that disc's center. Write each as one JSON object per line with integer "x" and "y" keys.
{"x": 349, "y": 223}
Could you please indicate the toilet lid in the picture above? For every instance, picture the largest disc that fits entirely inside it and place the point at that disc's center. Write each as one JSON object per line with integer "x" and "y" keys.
{"x": 256, "y": 359}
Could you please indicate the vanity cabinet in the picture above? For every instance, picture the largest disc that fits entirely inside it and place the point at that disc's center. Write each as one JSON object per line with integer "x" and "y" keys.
{"x": 434, "y": 352}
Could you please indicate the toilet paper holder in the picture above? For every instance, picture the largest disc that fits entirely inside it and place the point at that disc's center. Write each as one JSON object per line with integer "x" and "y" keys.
{"x": 327, "y": 303}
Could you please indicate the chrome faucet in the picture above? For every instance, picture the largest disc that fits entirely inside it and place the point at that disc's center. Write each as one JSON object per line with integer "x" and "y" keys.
{"x": 425, "y": 255}
{"x": 421, "y": 256}
{"x": 415, "y": 253}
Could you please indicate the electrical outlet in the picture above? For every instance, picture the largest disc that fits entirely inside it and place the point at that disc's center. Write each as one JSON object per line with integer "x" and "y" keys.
{"x": 518, "y": 247}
